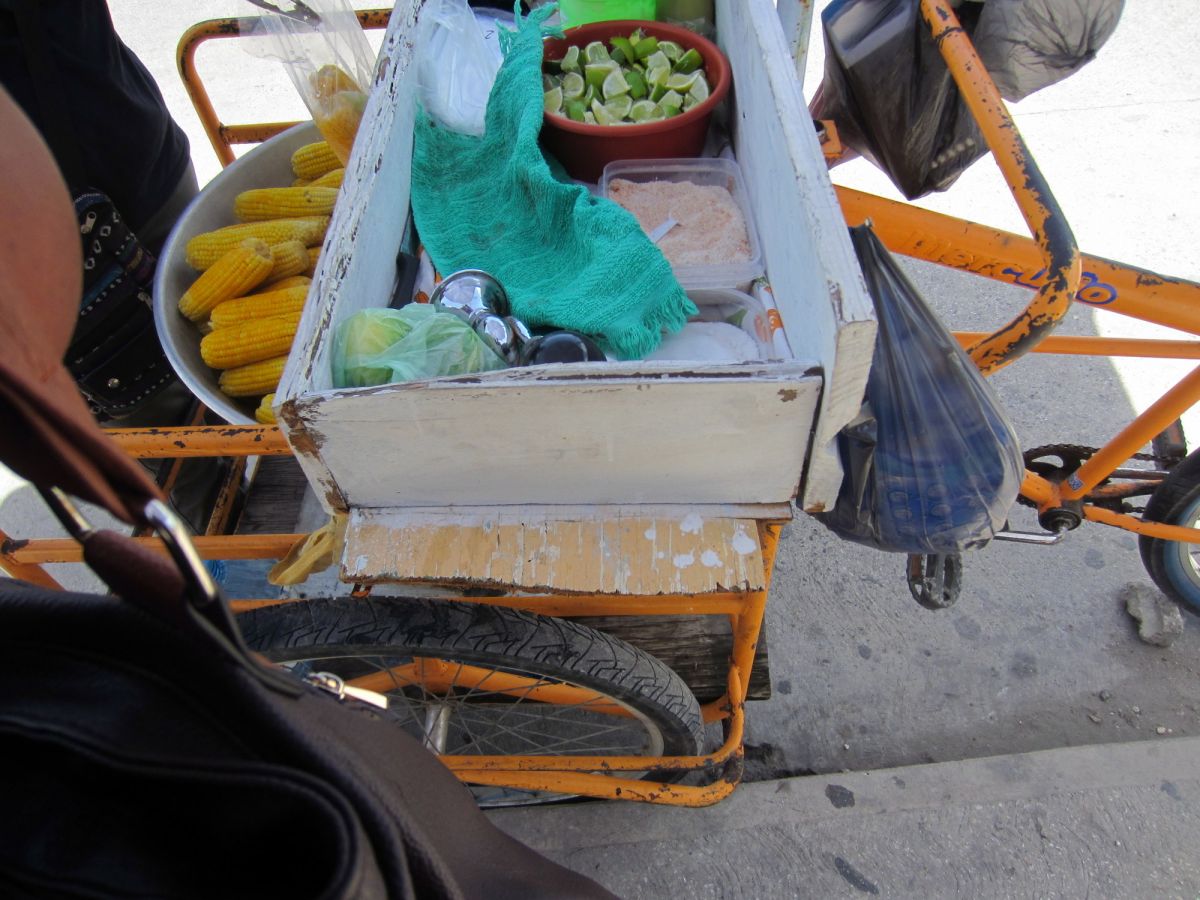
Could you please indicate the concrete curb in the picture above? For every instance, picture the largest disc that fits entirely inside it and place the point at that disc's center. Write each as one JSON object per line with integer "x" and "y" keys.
{"x": 1110, "y": 820}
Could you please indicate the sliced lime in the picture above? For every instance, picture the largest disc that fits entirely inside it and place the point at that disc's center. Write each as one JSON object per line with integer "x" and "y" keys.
{"x": 671, "y": 103}
{"x": 635, "y": 36}
{"x": 637, "y": 84}
{"x": 548, "y": 83}
{"x": 699, "y": 89}
{"x": 645, "y": 47}
{"x": 552, "y": 100}
{"x": 603, "y": 116}
{"x": 589, "y": 118}
{"x": 625, "y": 48}
{"x": 573, "y": 86}
{"x": 677, "y": 81}
{"x": 614, "y": 85}
{"x": 688, "y": 102}
{"x": 595, "y": 73}
{"x": 689, "y": 62}
{"x": 657, "y": 60}
{"x": 576, "y": 110}
{"x": 570, "y": 60}
{"x": 589, "y": 95}
{"x": 656, "y": 92}
{"x": 658, "y": 75}
{"x": 644, "y": 111}
{"x": 596, "y": 52}
{"x": 670, "y": 49}
{"x": 620, "y": 106}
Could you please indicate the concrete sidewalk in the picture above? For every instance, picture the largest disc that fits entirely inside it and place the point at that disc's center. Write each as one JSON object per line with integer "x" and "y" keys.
{"x": 1109, "y": 820}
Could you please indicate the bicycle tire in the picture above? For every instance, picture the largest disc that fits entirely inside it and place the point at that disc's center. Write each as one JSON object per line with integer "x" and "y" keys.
{"x": 1170, "y": 564}
{"x": 377, "y": 637}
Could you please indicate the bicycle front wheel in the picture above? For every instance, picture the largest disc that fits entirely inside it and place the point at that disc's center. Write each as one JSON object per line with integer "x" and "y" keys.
{"x": 473, "y": 679}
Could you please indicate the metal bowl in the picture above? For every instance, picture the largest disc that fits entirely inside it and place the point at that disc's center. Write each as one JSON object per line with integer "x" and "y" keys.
{"x": 267, "y": 165}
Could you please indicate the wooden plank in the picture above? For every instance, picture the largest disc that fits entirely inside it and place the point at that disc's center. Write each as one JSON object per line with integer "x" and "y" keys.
{"x": 813, "y": 270}
{"x": 610, "y": 554}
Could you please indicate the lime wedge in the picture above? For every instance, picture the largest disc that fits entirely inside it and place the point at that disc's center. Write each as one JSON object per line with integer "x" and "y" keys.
{"x": 658, "y": 75}
{"x": 690, "y": 61}
{"x": 699, "y": 89}
{"x": 637, "y": 84}
{"x": 688, "y": 102}
{"x": 595, "y": 73}
{"x": 657, "y": 60}
{"x": 644, "y": 111}
{"x": 596, "y": 52}
{"x": 657, "y": 92}
{"x": 622, "y": 45}
{"x": 548, "y": 83}
{"x": 575, "y": 110}
{"x": 614, "y": 85}
{"x": 589, "y": 95}
{"x": 570, "y": 60}
{"x": 645, "y": 47}
{"x": 680, "y": 82}
{"x": 589, "y": 118}
{"x": 603, "y": 116}
{"x": 620, "y": 106}
{"x": 670, "y": 49}
{"x": 572, "y": 86}
{"x": 671, "y": 103}
{"x": 552, "y": 100}
{"x": 635, "y": 36}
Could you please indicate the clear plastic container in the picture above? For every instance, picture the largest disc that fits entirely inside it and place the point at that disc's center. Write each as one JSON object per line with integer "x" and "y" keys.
{"x": 739, "y": 309}
{"x": 706, "y": 172}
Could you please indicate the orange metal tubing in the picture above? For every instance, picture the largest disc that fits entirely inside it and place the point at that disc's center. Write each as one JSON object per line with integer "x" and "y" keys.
{"x": 1013, "y": 259}
{"x": 1029, "y": 189}
{"x": 201, "y": 440}
{"x": 25, "y": 571}
{"x": 606, "y": 787}
{"x": 229, "y": 546}
{"x": 1138, "y": 526}
{"x": 1083, "y": 345}
{"x": 1136, "y": 434}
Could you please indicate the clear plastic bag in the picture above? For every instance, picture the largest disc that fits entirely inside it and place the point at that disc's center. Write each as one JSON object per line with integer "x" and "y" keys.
{"x": 328, "y": 58}
{"x": 456, "y": 66}
{"x": 383, "y": 346}
{"x": 932, "y": 466}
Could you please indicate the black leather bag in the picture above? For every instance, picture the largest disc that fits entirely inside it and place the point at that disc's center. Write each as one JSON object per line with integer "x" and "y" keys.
{"x": 146, "y": 752}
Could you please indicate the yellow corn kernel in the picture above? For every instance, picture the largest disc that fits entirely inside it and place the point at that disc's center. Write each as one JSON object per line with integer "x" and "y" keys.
{"x": 330, "y": 179}
{"x": 301, "y": 182}
{"x": 240, "y": 270}
{"x": 248, "y": 342}
{"x": 205, "y": 249}
{"x": 253, "y": 380}
{"x": 283, "y": 302}
{"x": 314, "y": 160}
{"x": 290, "y": 282}
{"x": 314, "y": 254}
{"x": 338, "y": 120}
{"x": 265, "y": 415}
{"x": 291, "y": 258}
{"x": 260, "y": 204}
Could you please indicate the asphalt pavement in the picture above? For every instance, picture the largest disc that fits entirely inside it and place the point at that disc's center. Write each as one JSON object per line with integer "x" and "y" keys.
{"x": 1038, "y": 665}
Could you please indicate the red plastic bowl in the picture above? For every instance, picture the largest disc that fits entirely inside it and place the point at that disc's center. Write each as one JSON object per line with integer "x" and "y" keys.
{"x": 584, "y": 150}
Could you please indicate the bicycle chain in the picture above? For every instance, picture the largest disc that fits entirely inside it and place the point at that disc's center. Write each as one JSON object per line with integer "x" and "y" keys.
{"x": 1079, "y": 451}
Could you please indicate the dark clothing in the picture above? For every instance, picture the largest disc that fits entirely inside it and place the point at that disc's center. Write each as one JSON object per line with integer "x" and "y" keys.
{"x": 131, "y": 149}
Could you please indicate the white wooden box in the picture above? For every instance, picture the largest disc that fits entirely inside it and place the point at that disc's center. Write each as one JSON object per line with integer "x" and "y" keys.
{"x": 596, "y": 434}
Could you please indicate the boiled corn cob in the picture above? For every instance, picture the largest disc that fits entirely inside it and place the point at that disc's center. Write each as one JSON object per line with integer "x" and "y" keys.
{"x": 248, "y": 342}
{"x": 265, "y": 415}
{"x": 338, "y": 120}
{"x": 330, "y": 179}
{"x": 253, "y": 380}
{"x": 290, "y": 282}
{"x": 240, "y": 270}
{"x": 260, "y": 204}
{"x": 205, "y": 249}
{"x": 314, "y": 160}
{"x": 291, "y": 258}
{"x": 302, "y": 182}
{"x": 284, "y": 302}
{"x": 314, "y": 253}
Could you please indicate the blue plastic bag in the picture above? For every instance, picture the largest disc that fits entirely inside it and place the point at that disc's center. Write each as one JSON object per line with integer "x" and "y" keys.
{"x": 932, "y": 466}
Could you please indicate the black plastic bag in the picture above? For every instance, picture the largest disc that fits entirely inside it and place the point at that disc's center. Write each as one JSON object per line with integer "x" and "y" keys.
{"x": 933, "y": 464}
{"x": 888, "y": 90}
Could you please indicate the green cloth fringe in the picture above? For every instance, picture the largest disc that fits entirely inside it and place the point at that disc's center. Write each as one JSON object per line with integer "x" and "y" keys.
{"x": 566, "y": 258}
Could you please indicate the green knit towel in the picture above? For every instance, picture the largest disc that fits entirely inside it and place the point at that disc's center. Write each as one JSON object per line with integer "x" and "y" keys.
{"x": 567, "y": 259}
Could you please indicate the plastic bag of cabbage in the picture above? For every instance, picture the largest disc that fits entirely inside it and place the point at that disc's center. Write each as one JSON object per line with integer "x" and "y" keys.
{"x": 384, "y": 346}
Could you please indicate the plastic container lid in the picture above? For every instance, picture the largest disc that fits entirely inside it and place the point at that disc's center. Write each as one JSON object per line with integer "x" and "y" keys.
{"x": 706, "y": 172}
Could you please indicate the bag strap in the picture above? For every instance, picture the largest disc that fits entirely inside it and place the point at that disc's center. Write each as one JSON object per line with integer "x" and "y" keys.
{"x": 47, "y": 85}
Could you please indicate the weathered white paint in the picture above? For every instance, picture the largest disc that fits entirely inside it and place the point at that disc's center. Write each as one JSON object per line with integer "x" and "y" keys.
{"x": 796, "y": 18}
{"x": 599, "y": 434}
{"x": 813, "y": 270}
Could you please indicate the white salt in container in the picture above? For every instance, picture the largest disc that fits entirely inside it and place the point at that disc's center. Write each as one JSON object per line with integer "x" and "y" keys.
{"x": 706, "y": 172}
